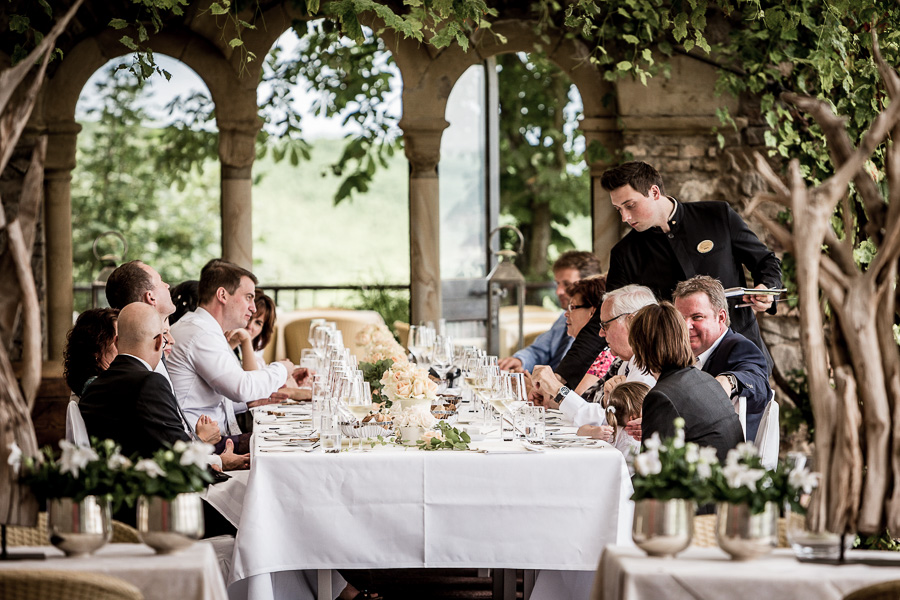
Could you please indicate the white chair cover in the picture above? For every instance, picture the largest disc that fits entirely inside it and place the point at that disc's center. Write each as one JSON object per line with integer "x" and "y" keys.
{"x": 76, "y": 431}
{"x": 740, "y": 407}
{"x": 768, "y": 437}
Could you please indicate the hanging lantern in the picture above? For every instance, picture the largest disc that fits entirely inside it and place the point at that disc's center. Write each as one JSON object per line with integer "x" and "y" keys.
{"x": 505, "y": 287}
{"x": 108, "y": 264}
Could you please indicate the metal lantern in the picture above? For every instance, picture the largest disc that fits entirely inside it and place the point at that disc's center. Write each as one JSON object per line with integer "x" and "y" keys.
{"x": 505, "y": 285}
{"x": 108, "y": 264}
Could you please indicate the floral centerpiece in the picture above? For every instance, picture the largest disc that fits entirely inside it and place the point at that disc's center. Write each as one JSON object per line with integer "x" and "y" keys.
{"x": 670, "y": 475}
{"x": 169, "y": 508}
{"x": 750, "y": 497}
{"x": 408, "y": 385}
{"x": 378, "y": 344}
{"x": 412, "y": 423}
{"x": 99, "y": 470}
{"x": 181, "y": 469}
{"x": 78, "y": 488}
{"x": 673, "y": 469}
{"x": 744, "y": 480}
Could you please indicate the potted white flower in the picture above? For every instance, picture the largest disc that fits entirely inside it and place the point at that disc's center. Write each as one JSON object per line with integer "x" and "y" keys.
{"x": 670, "y": 478}
{"x": 78, "y": 488}
{"x": 169, "y": 487}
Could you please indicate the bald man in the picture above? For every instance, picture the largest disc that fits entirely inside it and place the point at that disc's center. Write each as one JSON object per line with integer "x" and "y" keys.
{"x": 132, "y": 404}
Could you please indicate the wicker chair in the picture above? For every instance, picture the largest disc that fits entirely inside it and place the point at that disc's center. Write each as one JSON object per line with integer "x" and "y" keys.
{"x": 705, "y": 532}
{"x": 44, "y": 584}
{"x": 38, "y": 536}
{"x": 887, "y": 590}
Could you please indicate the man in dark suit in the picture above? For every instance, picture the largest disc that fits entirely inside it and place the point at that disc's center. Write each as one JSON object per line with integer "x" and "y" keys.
{"x": 133, "y": 405}
{"x": 671, "y": 241}
{"x": 736, "y": 363}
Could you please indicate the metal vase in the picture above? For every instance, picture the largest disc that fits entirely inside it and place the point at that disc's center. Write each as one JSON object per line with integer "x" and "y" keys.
{"x": 79, "y": 528}
{"x": 663, "y": 527}
{"x": 744, "y": 535}
{"x": 170, "y": 525}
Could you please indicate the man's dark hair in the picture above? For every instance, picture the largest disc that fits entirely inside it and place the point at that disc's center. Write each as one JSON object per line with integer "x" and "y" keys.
{"x": 637, "y": 174}
{"x": 220, "y": 273}
{"x": 127, "y": 284}
{"x": 586, "y": 263}
{"x": 185, "y": 297}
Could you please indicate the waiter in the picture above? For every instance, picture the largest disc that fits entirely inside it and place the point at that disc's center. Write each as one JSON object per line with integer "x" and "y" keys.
{"x": 670, "y": 242}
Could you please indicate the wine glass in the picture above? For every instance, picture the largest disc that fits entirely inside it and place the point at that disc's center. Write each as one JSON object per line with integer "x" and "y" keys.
{"x": 517, "y": 397}
{"x": 442, "y": 357}
{"x": 413, "y": 340}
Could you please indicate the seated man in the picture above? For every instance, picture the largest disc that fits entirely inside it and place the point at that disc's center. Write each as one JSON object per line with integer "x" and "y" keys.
{"x": 132, "y": 404}
{"x": 615, "y": 315}
{"x": 550, "y": 347}
{"x": 206, "y": 375}
{"x": 737, "y": 363}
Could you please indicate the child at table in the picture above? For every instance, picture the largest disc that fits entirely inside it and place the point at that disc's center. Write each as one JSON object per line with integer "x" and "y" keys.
{"x": 623, "y": 404}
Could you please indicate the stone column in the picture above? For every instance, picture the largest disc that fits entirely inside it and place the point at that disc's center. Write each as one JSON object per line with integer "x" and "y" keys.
{"x": 422, "y": 141}
{"x": 61, "y": 145}
{"x": 606, "y": 221}
{"x": 237, "y": 150}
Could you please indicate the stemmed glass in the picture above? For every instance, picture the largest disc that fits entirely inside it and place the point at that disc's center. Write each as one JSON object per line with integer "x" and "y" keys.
{"x": 488, "y": 389}
{"x": 517, "y": 397}
{"x": 442, "y": 357}
{"x": 421, "y": 340}
{"x": 356, "y": 401}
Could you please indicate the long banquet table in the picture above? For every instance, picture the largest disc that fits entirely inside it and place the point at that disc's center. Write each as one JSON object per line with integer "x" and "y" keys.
{"x": 396, "y": 507}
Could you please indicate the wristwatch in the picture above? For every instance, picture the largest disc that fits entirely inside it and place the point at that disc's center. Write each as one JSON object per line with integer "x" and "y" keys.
{"x": 733, "y": 381}
{"x": 561, "y": 394}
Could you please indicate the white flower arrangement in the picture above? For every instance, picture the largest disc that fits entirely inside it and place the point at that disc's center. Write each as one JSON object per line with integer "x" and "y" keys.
{"x": 672, "y": 468}
{"x": 405, "y": 381}
{"x": 149, "y": 466}
{"x": 74, "y": 458}
{"x": 378, "y": 344}
{"x": 418, "y": 415}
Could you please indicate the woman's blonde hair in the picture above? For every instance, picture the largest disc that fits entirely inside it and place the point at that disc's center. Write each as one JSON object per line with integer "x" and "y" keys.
{"x": 625, "y": 403}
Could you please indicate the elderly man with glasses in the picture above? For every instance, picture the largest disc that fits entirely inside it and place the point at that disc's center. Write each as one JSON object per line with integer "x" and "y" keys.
{"x": 615, "y": 319}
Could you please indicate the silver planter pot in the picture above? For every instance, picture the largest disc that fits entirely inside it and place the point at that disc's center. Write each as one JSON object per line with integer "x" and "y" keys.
{"x": 663, "y": 527}
{"x": 170, "y": 525}
{"x": 743, "y": 535}
{"x": 79, "y": 528}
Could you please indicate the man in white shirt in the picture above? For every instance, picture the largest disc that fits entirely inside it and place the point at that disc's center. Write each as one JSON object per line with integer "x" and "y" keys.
{"x": 615, "y": 319}
{"x": 206, "y": 374}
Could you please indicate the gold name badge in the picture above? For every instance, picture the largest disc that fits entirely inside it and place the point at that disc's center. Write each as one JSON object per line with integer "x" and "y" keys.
{"x": 704, "y": 246}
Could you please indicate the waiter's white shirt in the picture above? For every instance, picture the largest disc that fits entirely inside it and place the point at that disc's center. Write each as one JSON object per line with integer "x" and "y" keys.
{"x": 205, "y": 371}
{"x": 580, "y": 412}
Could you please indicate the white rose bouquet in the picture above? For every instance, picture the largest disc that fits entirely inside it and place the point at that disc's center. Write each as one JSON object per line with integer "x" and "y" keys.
{"x": 418, "y": 415}
{"x": 378, "y": 344}
{"x": 409, "y": 384}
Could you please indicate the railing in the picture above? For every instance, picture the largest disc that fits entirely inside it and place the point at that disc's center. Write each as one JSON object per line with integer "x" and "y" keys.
{"x": 289, "y": 297}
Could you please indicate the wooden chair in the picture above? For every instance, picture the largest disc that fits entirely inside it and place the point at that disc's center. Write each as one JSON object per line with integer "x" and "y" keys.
{"x": 349, "y": 322}
{"x": 45, "y": 584}
{"x": 886, "y": 590}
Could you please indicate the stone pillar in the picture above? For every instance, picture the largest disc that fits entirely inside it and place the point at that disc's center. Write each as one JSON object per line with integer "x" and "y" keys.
{"x": 61, "y": 145}
{"x": 237, "y": 150}
{"x": 422, "y": 141}
{"x": 606, "y": 222}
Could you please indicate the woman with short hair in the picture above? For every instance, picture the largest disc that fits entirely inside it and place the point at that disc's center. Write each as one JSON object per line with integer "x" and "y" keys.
{"x": 661, "y": 344}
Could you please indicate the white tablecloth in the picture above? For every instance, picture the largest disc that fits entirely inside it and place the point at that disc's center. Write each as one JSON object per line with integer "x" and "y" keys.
{"x": 398, "y": 508}
{"x": 190, "y": 574}
{"x": 708, "y": 573}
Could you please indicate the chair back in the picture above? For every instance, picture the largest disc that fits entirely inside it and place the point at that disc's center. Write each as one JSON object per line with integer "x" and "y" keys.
{"x": 886, "y": 590}
{"x": 349, "y": 322}
{"x": 76, "y": 431}
{"x": 46, "y": 584}
{"x": 768, "y": 437}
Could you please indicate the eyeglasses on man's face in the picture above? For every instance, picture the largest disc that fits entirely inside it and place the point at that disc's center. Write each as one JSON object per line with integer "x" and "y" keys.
{"x": 605, "y": 325}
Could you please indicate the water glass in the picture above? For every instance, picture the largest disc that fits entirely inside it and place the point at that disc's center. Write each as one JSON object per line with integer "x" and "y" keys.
{"x": 331, "y": 441}
{"x": 534, "y": 424}
{"x": 507, "y": 427}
